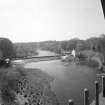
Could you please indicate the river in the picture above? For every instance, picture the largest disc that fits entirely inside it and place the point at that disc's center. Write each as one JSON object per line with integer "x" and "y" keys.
{"x": 69, "y": 79}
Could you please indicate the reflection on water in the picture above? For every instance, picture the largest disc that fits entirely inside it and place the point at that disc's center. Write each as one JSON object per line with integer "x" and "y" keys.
{"x": 45, "y": 53}
{"x": 69, "y": 80}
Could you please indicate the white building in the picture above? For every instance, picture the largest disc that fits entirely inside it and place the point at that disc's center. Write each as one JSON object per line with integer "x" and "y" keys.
{"x": 73, "y": 52}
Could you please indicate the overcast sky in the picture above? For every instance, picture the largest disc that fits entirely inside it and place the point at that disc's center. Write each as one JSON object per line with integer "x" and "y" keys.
{"x": 38, "y": 20}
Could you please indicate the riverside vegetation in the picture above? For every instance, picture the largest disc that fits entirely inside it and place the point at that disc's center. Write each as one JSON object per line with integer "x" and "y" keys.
{"x": 13, "y": 80}
{"x": 21, "y": 86}
{"x": 92, "y": 50}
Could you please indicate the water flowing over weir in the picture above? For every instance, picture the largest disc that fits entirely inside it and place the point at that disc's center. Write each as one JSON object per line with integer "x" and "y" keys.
{"x": 69, "y": 79}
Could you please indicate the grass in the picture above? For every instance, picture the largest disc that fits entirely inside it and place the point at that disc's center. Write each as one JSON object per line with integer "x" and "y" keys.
{"x": 39, "y": 80}
{"x": 8, "y": 82}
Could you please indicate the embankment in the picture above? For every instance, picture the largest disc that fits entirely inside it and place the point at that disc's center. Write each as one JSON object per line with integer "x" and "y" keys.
{"x": 35, "y": 89}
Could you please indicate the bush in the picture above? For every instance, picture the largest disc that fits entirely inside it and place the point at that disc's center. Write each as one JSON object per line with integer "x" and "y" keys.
{"x": 8, "y": 83}
{"x": 92, "y": 63}
{"x": 6, "y": 49}
{"x": 81, "y": 56}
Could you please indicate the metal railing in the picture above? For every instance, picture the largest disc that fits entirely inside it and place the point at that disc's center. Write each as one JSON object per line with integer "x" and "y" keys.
{"x": 86, "y": 93}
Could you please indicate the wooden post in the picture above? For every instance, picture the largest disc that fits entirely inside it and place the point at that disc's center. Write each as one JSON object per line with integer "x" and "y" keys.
{"x": 70, "y": 102}
{"x": 96, "y": 93}
{"x": 103, "y": 86}
{"x": 103, "y": 6}
{"x": 86, "y": 96}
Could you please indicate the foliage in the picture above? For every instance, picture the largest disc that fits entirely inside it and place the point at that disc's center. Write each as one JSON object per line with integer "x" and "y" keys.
{"x": 6, "y": 48}
{"x": 93, "y": 63}
{"x": 8, "y": 83}
{"x": 19, "y": 85}
{"x": 95, "y": 43}
{"x": 25, "y": 49}
{"x": 54, "y": 46}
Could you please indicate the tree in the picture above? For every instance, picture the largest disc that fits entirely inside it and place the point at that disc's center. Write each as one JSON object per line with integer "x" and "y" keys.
{"x": 6, "y": 48}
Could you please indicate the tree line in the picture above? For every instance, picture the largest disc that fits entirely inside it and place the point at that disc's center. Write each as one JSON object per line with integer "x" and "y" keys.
{"x": 30, "y": 49}
{"x": 94, "y": 43}
{"x": 25, "y": 49}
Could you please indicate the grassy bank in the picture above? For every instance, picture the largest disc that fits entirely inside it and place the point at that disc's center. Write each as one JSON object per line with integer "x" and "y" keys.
{"x": 36, "y": 87}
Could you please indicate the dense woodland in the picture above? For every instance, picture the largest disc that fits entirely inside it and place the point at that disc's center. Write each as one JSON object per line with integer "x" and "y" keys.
{"x": 25, "y": 49}
{"x": 96, "y": 44}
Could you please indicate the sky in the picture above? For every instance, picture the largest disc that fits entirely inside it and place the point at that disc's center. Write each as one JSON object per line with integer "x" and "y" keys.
{"x": 40, "y": 20}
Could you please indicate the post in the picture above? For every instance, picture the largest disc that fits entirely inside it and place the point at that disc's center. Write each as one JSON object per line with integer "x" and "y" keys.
{"x": 86, "y": 96}
{"x": 96, "y": 93}
{"x": 103, "y": 86}
{"x": 70, "y": 102}
{"x": 103, "y": 6}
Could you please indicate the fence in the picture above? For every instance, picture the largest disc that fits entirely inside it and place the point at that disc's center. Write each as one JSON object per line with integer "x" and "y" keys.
{"x": 86, "y": 93}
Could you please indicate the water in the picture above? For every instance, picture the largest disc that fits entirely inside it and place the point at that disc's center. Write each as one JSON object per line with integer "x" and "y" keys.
{"x": 69, "y": 79}
{"x": 45, "y": 53}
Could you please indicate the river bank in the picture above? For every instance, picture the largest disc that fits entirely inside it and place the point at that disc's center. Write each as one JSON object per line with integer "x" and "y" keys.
{"x": 36, "y": 86}
{"x": 42, "y": 83}
{"x": 69, "y": 79}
